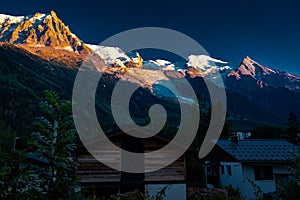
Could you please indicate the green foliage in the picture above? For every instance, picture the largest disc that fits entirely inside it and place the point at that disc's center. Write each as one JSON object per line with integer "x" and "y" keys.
{"x": 23, "y": 78}
{"x": 291, "y": 189}
{"x": 193, "y": 163}
{"x": 211, "y": 196}
{"x": 7, "y": 138}
{"x": 15, "y": 177}
{"x": 293, "y": 129}
{"x": 137, "y": 195}
{"x": 233, "y": 194}
{"x": 205, "y": 116}
{"x": 54, "y": 141}
{"x": 268, "y": 132}
{"x": 194, "y": 171}
{"x": 258, "y": 193}
{"x": 226, "y": 132}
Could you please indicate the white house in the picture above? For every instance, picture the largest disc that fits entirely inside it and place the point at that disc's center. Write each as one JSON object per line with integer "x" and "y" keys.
{"x": 244, "y": 163}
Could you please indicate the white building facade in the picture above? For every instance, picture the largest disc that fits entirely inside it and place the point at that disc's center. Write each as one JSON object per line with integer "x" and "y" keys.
{"x": 250, "y": 164}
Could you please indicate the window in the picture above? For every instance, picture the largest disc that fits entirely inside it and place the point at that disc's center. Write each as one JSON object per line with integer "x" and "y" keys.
{"x": 222, "y": 169}
{"x": 263, "y": 173}
{"x": 229, "y": 172}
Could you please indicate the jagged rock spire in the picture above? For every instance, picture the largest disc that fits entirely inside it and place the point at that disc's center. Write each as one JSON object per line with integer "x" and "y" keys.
{"x": 39, "y": 30}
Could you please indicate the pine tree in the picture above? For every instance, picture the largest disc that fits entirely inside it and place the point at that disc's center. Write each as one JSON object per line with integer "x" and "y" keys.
{"x": 54, "y": 141}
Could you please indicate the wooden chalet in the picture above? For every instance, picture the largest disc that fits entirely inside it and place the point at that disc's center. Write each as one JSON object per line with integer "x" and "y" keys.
{"x": 103, "y": 181}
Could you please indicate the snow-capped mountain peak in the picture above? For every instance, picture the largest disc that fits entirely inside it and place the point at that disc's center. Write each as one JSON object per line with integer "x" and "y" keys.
{"x": 47, "y": 30}
{"x": 38, "y": 30}
{"x": 252, "y": 67}
{"x": 203, "y": 65}
{"x": 263, "y": 76}
{"x": 47, "y": 36}
{"x": 195, "y": 65}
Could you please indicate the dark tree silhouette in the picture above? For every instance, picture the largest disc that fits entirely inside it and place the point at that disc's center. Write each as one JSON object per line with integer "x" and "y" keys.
{"x": 293, "y": 130}
{"x": 54, "y": 141}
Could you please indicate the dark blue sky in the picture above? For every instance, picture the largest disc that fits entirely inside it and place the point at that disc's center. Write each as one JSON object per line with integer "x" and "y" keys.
{"x": 268, "y": 31}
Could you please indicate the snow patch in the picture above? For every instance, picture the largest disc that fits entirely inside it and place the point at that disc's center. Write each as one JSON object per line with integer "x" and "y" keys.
{"x": 159, "y": 64}
{"x": 202, "y": 61}
{"x": 163, "y": 62}
{"x": 109, "y": 54}
{"x": 224, "y": 68}
{"x": 12, "y": 19}
{"x": 151, "y": 65}
{"x": 169, "y": 67}
{"x": 69, "y": 48}
{"x": 37, "y": 17}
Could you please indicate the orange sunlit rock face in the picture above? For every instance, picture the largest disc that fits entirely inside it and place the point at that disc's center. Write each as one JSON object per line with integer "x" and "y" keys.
{"x": 41, "y": 30}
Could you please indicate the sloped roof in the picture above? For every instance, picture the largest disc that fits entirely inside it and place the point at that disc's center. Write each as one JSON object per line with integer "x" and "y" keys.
{"x": 260, "y": 150}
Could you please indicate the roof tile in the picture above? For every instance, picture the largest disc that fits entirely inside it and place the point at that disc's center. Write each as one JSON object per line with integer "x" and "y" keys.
{"x": 260, "y": 150}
